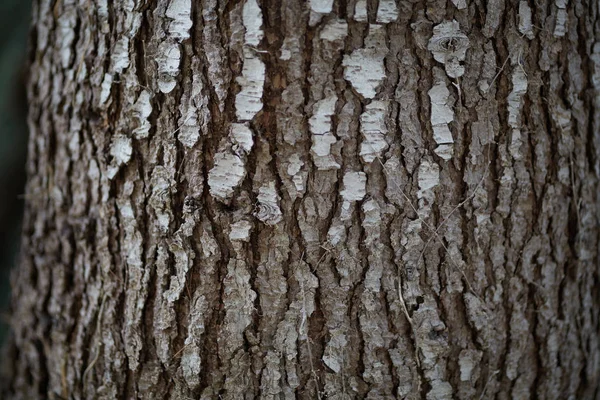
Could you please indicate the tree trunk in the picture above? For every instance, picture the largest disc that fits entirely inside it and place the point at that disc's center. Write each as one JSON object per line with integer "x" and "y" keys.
{"x": 323, "y": 199}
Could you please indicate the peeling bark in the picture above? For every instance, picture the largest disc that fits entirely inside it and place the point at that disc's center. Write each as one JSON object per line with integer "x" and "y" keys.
{"x": 322, "y": 199}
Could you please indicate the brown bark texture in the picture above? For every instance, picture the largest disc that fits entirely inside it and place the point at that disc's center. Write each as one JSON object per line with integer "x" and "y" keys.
{"x": 332, "y": 199}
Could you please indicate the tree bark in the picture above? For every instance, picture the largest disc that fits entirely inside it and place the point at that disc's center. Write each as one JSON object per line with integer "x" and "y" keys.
{"x": 325, "y": 199}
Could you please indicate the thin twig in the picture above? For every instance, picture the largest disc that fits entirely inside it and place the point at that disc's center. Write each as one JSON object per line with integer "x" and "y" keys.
{"x": 488, "y": 382}
{"x": 410, "y": 321}
{"x": 499, "y": 72}
{"x": 98, "y": 324}
{"x": 462, "y": 203}
{"x": 179, "y": 351}
{"x": 433, "y": 231}
{"x": 303, "y": 325}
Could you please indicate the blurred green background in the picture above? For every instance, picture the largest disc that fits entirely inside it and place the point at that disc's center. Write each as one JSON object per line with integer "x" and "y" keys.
{"x": 14, "y": 27}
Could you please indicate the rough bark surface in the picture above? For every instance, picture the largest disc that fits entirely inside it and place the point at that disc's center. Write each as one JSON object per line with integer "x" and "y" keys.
{"x": 310, "y": 199}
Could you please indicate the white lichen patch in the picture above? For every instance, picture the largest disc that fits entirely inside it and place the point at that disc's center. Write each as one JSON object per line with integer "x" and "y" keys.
{"x": 525, "y": 24}
{"x": 440, "y": 390}
{"x": 238, "y": 301}
{"x": 189, "y": 131}
{"x": 336, "y": 234}
{"x": 294, "y": 326}
{"x": 560, "y": 29}
{"x": 372, "y": 219}
{"x": 320, "y": 121}
{"x": 119, "y": 51}
{"x": 468, "y": 360}
{"x": 360, "y": 11}
{"x": 240, "y": 231}
{"x": 355, "y": 186}
{"x": 374, "y": 129}
{"x": 322, "y": 137}
{"x": 162, "y": 186}
{"x": 515, "y": 103}
{"x": 216, "y": 55}
{"x": 429, "y": 177}
{"x": 333, "y": 356}
{"x": 141, "y": 110}
{"x": 294, "y": 167}
{"x": 105, "y": 87}
{"x": 120, "y": 55}
{"x": 191, "y": 363}
{"x": 318, "y": 8}
{"x": 230, "y": 162}
{"x": 137, "y": 276}
{"x": 134, "y": 253}
{"x": 241, "y": 138}
{"x": 449, "y": 46}
{"x": 321, "y": 6}
{"x": 66, "y": 34}
{"x": 179, "y": 12}
{"x": 267, "y": 210}
{"x": 183, "y": 262}
{"x": 248, "y": 101}
{"x": 364, "y": 68}
{"x": 168, "y": 65}
{"x": 169, "y": 58}
{"x": 441, "y": 116}
{"x": 336, "y": 29}
{"x": 271, "y": 376}
{"x": 460, "y": 4}
{"x": 562, "y": 117}
{"x": 227, "y": 173}
{"x": 285, "y": 51}
{"x": 93, "y": 172}
{"x": 355, "y": 189}
{"x": 445, "y": 151}
{"x": 387, "y": 11}
{"x": 252, "y": 20}
{"x": 132, "y": 18}
{"x": 477, "y": 312}
{"x": 121, "y": 151}
{"x": 194, "y": 111}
